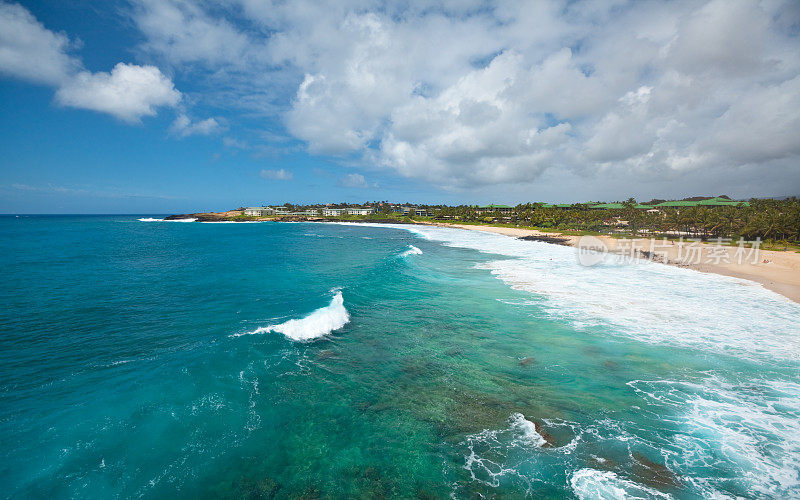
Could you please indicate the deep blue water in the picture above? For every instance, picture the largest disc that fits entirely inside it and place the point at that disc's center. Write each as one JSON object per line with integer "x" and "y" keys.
{"x": 140, "y": 359}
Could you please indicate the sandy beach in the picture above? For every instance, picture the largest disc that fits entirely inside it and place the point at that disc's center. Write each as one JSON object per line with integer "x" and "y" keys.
{"x": 775, "y": 270}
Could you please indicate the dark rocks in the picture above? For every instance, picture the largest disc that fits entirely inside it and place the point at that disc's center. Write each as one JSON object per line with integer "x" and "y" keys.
{"x": 549, "y": 440}
{"x": 610, "y": 365}
{"x": 602, "y": 463}
{"x": 652, "y": 473}
{"x": 555, "y": 240}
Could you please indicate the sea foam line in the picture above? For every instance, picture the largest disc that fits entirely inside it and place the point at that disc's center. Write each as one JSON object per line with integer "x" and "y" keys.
{"x": 319, "y": 323}
{"x": 150, "y": 219}
{"x": 647, "y": 301}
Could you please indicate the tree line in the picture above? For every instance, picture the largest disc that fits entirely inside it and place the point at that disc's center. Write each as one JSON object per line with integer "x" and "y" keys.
{"x": 767, "y": 219}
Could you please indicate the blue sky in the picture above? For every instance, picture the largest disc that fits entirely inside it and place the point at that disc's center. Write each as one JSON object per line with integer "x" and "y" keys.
{"x": 166, "y": 106}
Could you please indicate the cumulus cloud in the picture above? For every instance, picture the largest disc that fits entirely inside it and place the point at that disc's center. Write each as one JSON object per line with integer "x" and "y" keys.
{"x": 30, "y": 51}
{"x": 278, "y": 175}
{"x": 471, "y": 94}
{"x": 128, "y": 92}
{"x": 474, "y": 94}
{"x": 356, "y": 181}
{"x": 673, "y": 88}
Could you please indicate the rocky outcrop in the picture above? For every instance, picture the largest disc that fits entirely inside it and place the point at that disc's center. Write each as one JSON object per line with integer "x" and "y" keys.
{"x": 556, "y": 240}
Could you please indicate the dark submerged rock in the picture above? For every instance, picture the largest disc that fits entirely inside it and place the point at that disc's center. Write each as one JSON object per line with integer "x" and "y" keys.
{"x": 652, "y": 473}
{"x": 549, "y": 440}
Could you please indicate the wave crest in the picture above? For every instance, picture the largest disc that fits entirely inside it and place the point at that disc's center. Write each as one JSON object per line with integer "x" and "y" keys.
{"x": 319, "y": 323}
{"x": 151, "y": 219}
{"x": 412, "y": 250}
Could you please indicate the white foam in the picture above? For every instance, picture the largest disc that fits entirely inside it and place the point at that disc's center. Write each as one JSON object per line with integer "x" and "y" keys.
{"x": 412, "y": 250}
{"x": 527, "y": 430}
{"x": 748, "y": 430}
{"x": 646, "y": 301}
{"x": 150, "y": 219}
{"x": 605, "y": 485}
{"x": 487, "y": 461}
{"x": 319, "y": 323}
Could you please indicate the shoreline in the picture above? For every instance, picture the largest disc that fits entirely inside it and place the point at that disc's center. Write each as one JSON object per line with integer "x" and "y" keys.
{"x": 775, "y": 270}
{"x": 778, "y": 271}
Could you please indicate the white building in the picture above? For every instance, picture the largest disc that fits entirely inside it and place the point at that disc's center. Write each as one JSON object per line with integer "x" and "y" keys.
{"x": 311, "y": 212}
{"x": 361, "y": 211}
{"x": 336, "y": 212}
{"x": 259, "y": 211}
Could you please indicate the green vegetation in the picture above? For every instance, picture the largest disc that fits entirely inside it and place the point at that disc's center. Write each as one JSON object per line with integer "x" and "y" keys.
{"x": 776, "y": 222}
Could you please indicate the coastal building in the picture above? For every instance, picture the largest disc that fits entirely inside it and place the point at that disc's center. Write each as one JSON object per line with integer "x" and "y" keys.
{"x": 411, "y": 210}
{"x": 567, "y": 206}
{"x": 361, "y": 211}
{"x": 607, "y": 206}
{"x": 276, "y": 211}
{"x": 503, "y": 209}
{"x": 259, "y": 211}
{"x": 336, "y": 212}
{"x": 711, "y": 202}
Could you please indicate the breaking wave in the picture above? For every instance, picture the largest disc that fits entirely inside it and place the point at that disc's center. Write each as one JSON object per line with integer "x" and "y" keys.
{"x": 150, "y": 219}
{"x": 412, "y": 250}
{"x": 319, "y": 323}
{"x": 487, "y": 461}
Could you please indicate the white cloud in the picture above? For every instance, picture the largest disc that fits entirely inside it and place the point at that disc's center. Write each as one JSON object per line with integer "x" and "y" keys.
{"x": 30, "y": 51}
{"x": 129, "y": 92}
{"x": 474, "y": 94}
{"x": 356, "y": 181}
{"x": 184, "y": 33}
{"x": 183, "y": 126}
{"x": 641, "y": 90}
{"x": 278, "y": 175}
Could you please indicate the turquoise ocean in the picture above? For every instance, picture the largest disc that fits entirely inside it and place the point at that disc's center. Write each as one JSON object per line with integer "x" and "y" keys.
{"x": 299, "y": 360}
